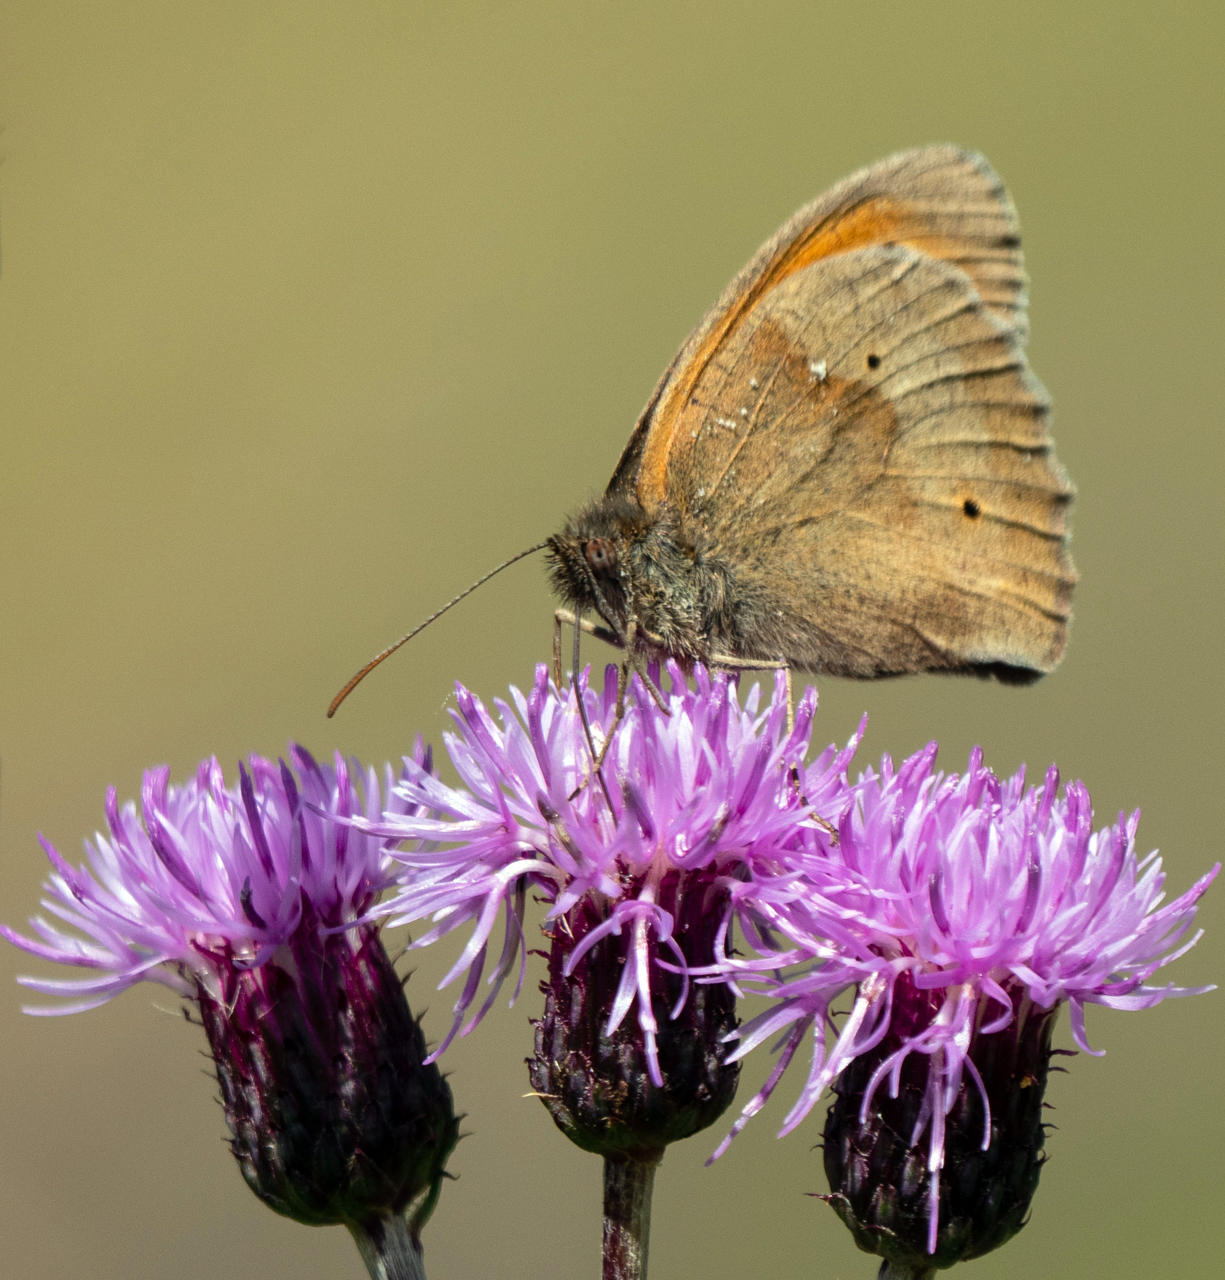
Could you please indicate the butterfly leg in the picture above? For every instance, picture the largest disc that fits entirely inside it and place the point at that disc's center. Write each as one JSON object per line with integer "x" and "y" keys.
{"x": 623, "y": 683}
{"x": 728, "y": 663}
{"x": 564, "y": 618}
{"x": 734, "y": 664}
{"x": 657, "y": 695}
{"x": 596, "y": 760}
{"x": 631, "y": 662}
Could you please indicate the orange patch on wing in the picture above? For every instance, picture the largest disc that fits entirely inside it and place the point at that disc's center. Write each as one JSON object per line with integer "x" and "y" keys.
{"x": 876, "y": 221}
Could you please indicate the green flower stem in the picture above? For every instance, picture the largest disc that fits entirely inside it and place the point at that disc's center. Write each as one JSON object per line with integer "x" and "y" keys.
{"x": 627, "y": 1216}
{"x": 389, "y": 1249}
{"x": 890, "y": 1271}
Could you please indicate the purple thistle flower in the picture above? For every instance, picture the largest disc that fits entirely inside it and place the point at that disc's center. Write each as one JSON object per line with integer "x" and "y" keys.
{"x": 961, "y": 911}
{"x": 254, "y": 903}
{"x": 702, "y": 792}
{"x": 207, "y": 878}
{"x": 636, "y": 866}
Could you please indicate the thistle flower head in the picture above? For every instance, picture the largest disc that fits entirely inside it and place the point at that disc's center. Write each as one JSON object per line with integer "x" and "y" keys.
{"x": 253, "y": 902}
{"x": 702, "y": 786}
{"x": 952, "y": 906}
{"x": 207, "y": 876}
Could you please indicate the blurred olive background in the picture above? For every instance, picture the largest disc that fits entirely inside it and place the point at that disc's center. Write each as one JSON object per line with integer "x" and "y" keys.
{"x": 310, "y": 313}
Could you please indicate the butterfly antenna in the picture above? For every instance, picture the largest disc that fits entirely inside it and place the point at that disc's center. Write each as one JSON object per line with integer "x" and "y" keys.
{"x": 403, "y": 640}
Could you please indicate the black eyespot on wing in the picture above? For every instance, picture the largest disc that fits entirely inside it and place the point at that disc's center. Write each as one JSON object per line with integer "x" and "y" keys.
{"x": 874, "y": 362}
{"x": 972, "y": 509}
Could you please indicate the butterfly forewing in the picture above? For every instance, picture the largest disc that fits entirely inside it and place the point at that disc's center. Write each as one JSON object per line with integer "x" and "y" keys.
{"x": 861, "y": 439}
{"x": 942, "y": 201}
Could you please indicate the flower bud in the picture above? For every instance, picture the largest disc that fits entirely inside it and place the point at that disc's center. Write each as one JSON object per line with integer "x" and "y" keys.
{"x": 597, "y": 1083}
{"x": 881, "y": 1179}
{"x": 333, "y": 1116}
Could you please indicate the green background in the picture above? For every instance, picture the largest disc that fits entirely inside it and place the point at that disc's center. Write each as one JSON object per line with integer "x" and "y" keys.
{"x": 312, "y": 312}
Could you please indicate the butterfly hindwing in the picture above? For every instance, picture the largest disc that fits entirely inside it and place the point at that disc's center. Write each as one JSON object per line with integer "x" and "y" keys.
{"x": 869, "y": 450}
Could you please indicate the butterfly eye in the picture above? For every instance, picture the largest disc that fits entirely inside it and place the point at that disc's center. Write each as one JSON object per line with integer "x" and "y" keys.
{"x": 601, "y": 556}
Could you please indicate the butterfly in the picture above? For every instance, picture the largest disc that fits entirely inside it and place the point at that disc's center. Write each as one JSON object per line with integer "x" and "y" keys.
{"x": 848, "y": 466}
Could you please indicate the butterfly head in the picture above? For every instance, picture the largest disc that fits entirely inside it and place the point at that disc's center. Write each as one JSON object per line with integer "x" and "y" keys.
{"x": 590, "y": 559}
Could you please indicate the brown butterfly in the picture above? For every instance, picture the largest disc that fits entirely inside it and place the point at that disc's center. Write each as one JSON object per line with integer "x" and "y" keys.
{"x": 847, "y": 468}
